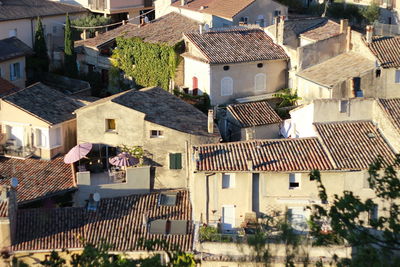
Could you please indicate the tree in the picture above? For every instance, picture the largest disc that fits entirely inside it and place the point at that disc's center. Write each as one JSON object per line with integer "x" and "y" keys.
{"x": 40, "y": 60}
{"x": 371, "y": 13}
{"x": 91, "y": 21}
{"x": 355, "y": 222}
{"x": 70, "y": 66}
{"x": 288, "y": 97}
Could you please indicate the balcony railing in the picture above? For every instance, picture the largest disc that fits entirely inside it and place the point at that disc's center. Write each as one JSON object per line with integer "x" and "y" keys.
{"x": 17, "y": 151}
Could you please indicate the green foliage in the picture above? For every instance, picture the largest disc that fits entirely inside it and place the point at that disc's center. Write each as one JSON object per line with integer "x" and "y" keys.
{"x": 182, "y": 259}
{"x": 375, "y": 239}
{"x": 71, "y": 69}
{"x": 116, "y": 82}
{"x": 202, "y": 102}
{"x": 371, "y": 13}
{"x": 39, "y": 62}
{"x": 295, "y": 5}
{"x": 149, "y": 64}
{"x": 134, "y": 151}
{"x": 288, "y": 97}
{"x": 90, "y": 21}
{"x": 96, "y": 83}
{"x": 208, "y": 233}
{"x": 54, "y": 260}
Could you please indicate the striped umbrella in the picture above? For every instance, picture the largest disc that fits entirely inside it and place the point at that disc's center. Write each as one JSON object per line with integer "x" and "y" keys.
{"x": 123, "y": 159}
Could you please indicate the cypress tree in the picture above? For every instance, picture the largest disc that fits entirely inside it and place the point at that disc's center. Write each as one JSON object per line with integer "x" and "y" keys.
{"x": 41, "y": 58}
{"x": 70, "y": 66}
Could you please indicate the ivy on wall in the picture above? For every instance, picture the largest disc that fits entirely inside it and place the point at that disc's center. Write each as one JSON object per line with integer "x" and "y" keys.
{"x": 148, "y": 63}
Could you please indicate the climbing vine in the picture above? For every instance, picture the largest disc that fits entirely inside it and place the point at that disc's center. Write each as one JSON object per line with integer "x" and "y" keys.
{"x": 149, "y": 64}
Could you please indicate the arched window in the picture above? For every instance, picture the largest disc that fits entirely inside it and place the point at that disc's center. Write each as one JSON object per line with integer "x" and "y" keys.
{"x": 260, "y": 82}
{"x": 226, "y": 86}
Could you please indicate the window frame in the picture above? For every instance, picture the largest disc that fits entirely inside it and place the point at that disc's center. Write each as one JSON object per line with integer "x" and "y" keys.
{"x": 15, "y": 75}
{"x": 158, "y": 134}
{"x": 108, "y": 129}
{"x": 397, "y": 76}
{"x": 175, "y": 161}
{"x": 231, "y": 183}
{"x": 294, "y": 178}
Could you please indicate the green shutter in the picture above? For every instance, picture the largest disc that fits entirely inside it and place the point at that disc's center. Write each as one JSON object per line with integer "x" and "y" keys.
{"x": 171, "y": 161}
{"x": 175, "y": 161}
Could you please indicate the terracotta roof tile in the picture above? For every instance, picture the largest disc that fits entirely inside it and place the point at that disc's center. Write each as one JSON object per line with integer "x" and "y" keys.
{"x": 4, "y": 208}
{"x": 20, "y": 9}
{"x": 237, "y": 45}
{"x": 166, "y": 29}
{"x": 254, "y": 113}
{"x": 7, "y": 88}
{"x": 387, "y": 50}
{"x": 391, "y": 107}
{"x": 117, "y": 221}
{"x": 300, "y": 154}
{"x": 328, "y": 29}
{"x": 37, "y": 178}
{"x": 354, "y": 145}
{"x": 222, "y": 8}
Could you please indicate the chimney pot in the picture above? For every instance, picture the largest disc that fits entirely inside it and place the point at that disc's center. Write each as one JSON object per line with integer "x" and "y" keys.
{"x": 210, "y": 121}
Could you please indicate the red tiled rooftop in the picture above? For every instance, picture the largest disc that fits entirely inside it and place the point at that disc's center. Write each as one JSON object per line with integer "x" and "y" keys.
{"x": 391, "y": 108}
{"x": 254, "y": 113}
{"x": 36, "y": 178}
{"x": 237, "y": 45}
{"x": 322, "y": 32}
{"x": 117, "y": 221}
{"x": 7, "y": 87}
{"x": 300, "y": 154}
{"x": 387, "y": 50}
{"x": 354, "y": 145}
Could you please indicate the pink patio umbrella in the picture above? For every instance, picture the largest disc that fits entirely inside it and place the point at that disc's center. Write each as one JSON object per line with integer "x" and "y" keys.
{"x": 77, "y": 152}
{"x": 123, "y": 159}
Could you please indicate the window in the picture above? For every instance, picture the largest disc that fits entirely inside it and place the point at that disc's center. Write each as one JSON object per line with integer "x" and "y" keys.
{"x": 294, "y": 180}
{"x": 41, "y": 138}
{"x": 110, "y": 125}
{"x": 167, "y": 199}
{"x": 244, "y": 20}
{"x": 373, "y": 213}
{"x": 226, "y": 68}
{"x": 12, "y": 33}
{"x": 378, "y": 73}
{"x": 15, "y": 71}
{"x": 228, "y": 180}
{"x": 172, "y": 227}
{"x": 55, "y": 135}
{"x": 156, "y": 133}
{"x": 343, "y": 106}
{"x": 260, "y": 21}
{"x": 175, "y": 161}
{"x": 277, "y": 13}
{"x": 260, "y": 82}
{"x": 260, "y": 65}
{"x": 397, "y": 76}
{"x": 226, "y": 86}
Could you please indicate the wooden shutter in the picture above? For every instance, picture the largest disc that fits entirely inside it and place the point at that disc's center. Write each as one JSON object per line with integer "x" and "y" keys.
{"x": 175, "y": 161}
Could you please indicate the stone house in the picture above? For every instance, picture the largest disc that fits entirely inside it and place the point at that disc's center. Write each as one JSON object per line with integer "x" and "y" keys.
{"x": 272, "y": 176}
{"x": 152, "y": 118}
{"x": 216, "y": 64}
{"x": 94, "y": 54}
{"x": 252, "y": 120}
{"x": 12, "y": 61}
{"x": 38, "y": 120}
{"x": 224, "y": 13}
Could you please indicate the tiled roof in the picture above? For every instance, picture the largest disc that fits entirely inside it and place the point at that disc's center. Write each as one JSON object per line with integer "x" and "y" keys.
{"x": 163, "y": 108}
{"x": 3, "y": 208}
{"x": 21, "y": 9}
{"x": 354, "y": 145}
{"x": 300, "y": 154}
{"x": 387, "y": 50}
{"x": 44, "y": 102}
{"x": 337, "y": 69}
{"x": 117, "y": 221}
{"x": 235, "y": 46}
{"x": 36, "y": 178}
{"x": 298, "y": 26}
{"x": 222, "y": 8}
{"x": 13, "y": 47}
{"x": 7, "y": 88}
{"x": 391, "y": 107}
{"x": 254, "y": 113}
{"x": 166, "y": 29}
{"x": 328, "y": 29}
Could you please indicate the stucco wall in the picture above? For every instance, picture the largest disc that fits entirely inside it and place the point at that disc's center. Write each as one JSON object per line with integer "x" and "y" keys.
{"x": 132, "y": 129}
{"x": 265, "y": 8}
{"x": 243, "y": 76}
{"x": 201, "y": 70}
{"x": 5, "y": 71}
{"x": 268, "y": 131}
{"x": 309, "y": 90}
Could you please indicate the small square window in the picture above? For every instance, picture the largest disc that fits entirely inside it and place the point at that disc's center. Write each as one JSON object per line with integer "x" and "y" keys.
{"x": 156, "y": 134}
{"x": 397, "y": 76}
{"x": 110, "y": 125}
{"x": 294, "y": 180}
{"x": 228, "y": 180}
{"x": 343, "y": 106}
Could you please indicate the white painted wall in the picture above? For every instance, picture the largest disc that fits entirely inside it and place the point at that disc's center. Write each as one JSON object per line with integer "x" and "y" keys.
{"x": 201, "y": 70}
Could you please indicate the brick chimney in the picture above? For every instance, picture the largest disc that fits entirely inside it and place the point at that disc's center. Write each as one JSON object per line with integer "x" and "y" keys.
{"x": 369, "y": 33}
{"x": 210, "y": 121}
{"x": 344, "y": 24}
{"x": 8, "y": 216}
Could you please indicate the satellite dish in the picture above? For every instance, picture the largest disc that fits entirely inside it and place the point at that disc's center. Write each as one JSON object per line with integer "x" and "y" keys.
{"x": 14, "y": 182}
{"x": 96, "y": 197}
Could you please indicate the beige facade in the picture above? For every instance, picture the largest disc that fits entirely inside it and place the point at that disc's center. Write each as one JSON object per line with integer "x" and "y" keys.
{"x": 132, "y": 129}
{"x": 15, "y": 63}
{"x": 30, "y": 132}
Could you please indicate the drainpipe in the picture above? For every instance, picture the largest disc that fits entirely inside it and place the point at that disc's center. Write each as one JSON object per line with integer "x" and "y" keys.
{"x": 32, "y": 30}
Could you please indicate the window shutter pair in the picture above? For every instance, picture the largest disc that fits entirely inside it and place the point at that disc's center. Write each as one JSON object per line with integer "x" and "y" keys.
{"x": 175, "y": 161}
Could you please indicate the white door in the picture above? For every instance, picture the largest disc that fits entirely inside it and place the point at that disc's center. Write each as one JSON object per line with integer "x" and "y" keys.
{"x": 17, "y": 133}
{"x": 228, "y": 217}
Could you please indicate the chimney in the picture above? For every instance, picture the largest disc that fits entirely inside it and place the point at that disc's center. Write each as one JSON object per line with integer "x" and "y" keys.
{"x": 369, "y": 33}
{"x": 344, "y": 23}
{"x": 8, "y": 217}
{"x": 210, "y": 121}
{"x": 280, "y": 28}
{"x": 183, "y": 2}
{"x": 249, "y": 133}
{"x": 200, "y": 29}
{"x": 348, "y": 39}
{"x": 249, "y": 163}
